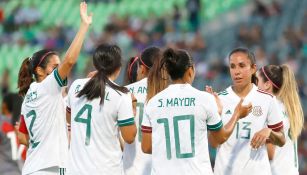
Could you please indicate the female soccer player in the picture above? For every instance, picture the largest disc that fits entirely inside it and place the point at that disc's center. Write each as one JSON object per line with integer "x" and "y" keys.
{"x": 98, "y": 108}
{"x": 131, "y": 71}
{"x": 135, "y": 161}
{"x": 242, "y": 152}
{"x": 43, "y": 106}
{"x": 176, "y": 120}
{"x": 280, "y": 81}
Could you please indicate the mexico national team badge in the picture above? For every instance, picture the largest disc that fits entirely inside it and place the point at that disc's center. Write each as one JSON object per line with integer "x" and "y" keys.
{"x": 257, "y": 111}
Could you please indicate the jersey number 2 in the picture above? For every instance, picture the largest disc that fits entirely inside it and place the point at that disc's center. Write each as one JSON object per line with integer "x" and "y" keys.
{"x": 86, "y": 121}
{"x": 176, "y": 120}
{"x": 32, "y": 114}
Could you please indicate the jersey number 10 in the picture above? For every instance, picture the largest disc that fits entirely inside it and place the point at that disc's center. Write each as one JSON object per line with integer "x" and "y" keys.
{"x": 176, "y": 119}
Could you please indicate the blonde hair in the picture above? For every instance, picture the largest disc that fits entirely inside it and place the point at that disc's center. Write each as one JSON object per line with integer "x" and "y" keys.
{"x": 158, "y": 79}
{"x": 285, "y": 88}
{"x": 288, "y": 94}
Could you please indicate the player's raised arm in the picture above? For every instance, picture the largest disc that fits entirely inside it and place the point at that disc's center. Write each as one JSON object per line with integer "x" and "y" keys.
{"x": 72, "y": 53}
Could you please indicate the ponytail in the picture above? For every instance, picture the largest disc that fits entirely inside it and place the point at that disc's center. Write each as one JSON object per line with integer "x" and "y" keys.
{"x": 24, "y": 77}
{"x": 158, "y": 79}
{"x": 95, "y": 87}
{"x": 288, "y": 94}
{"x": 254, "y": 79}
{"x": 176, "y": 62}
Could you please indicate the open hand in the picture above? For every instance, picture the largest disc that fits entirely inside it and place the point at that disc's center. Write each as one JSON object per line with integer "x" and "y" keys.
{"x": 85, "y": 18}
{"x": 243, "y": 110}
{"x": 217, "y": 99}
{"x": 260, "y": 138}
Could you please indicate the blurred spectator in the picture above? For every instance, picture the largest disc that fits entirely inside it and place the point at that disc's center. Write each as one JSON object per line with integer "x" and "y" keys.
{"x": 9, "y": 24}
{"x": 176, "y": 18}
{"x": 261, "y": 58}
{"x": 260, "y": 9}
{"x": 27, "y": 16}
{"x": 193, "y": 7}
{"x": 5, "y": 82}
{"x": 1, "y": 15}
{"x": 10, "y": 160}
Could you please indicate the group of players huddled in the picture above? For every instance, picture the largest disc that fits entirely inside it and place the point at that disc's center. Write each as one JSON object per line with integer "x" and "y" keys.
{"x": 158, "y": 124}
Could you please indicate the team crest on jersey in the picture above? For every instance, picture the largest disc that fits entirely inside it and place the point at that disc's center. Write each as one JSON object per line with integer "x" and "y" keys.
{"x": 257, "y": 111}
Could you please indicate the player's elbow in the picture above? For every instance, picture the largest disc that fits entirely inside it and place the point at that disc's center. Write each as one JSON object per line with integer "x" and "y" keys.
{"x": 130, "y": 139}
{"x": 146, "y": 148}
{"x": 129, "y": 133}
{"x": 22, "y": 139}
{"x": 146, "y": 142}
{"x": 281, "y": 140}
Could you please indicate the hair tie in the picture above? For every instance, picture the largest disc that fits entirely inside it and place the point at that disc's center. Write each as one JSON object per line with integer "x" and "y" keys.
{"x": 269, "y": 78}
{"x": 43, "y": 57}
{"x": 130, "y": 67}
{"x": 144, "y": 63}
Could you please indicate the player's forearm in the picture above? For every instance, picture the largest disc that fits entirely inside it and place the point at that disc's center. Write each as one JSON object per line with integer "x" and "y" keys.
{"x": 219, "y": 137}
{"x": 75, "y": 47}
{"x": 73, "y": 52}
{"x": 277, "y": 138}
{"x": 229, "y": 127}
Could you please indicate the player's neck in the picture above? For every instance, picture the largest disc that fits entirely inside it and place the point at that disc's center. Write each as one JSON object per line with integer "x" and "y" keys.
{"x": 242, "y": 91}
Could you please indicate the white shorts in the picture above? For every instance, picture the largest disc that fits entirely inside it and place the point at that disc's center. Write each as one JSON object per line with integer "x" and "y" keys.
{"x": 50, "y": 171}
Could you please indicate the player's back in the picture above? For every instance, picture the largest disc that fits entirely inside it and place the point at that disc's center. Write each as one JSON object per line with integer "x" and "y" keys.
{"x": 44, "y": 115}
{"x": 135, "y": 161}
{"x": 95, "y": 147}
{"x": 179, "y": 117}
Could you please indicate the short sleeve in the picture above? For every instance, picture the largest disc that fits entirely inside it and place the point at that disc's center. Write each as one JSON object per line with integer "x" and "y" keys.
{"x": 22, "y": 126}
{"x": 70, "y": 94}
{"x": 274, "y": 119}
{"x": 53, "y": 83}
{"x": 146, "y": 124}
{"x": 125, "y": 112}
{"x": 214, "y": 122}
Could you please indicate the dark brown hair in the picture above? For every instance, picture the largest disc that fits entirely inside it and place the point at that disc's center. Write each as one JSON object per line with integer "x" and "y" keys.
{"x": 27, "y": 71}
{"x": 106, "y": 60}
{"x": 250, "y": 56}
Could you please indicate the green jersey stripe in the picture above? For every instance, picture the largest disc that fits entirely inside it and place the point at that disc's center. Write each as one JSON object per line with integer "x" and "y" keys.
{"x": 215, "y": 127}
{"x": 126, "y": 122}
{"x": 59, "y": 79}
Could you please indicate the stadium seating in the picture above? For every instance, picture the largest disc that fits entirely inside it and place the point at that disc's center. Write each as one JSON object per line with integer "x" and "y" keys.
{"x": 66, "y": 12}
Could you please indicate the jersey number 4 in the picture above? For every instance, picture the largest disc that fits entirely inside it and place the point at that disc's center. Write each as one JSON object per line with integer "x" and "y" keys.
{"x": 86, "y": 120}
{"x": 176, "y": 119}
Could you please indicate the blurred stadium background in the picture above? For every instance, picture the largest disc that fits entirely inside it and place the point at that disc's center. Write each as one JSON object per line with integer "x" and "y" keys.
{"x": 276, "y": 30}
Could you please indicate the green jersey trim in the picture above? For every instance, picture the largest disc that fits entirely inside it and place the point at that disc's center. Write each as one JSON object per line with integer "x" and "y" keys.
{"x": 215, "y": 127}
{"x": 126, "y": 122}
{"x": 59, "y": 79}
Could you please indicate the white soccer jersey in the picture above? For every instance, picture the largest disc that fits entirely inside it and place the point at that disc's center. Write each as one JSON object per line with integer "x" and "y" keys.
{"x": 179, "y": 117}
{"x": 44, "y": 115}
{"x": 236, "y": 156}
{"x": 135, "y": 161}
{"x": 285, "y": 159}
{"x": 94, "y": 146}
